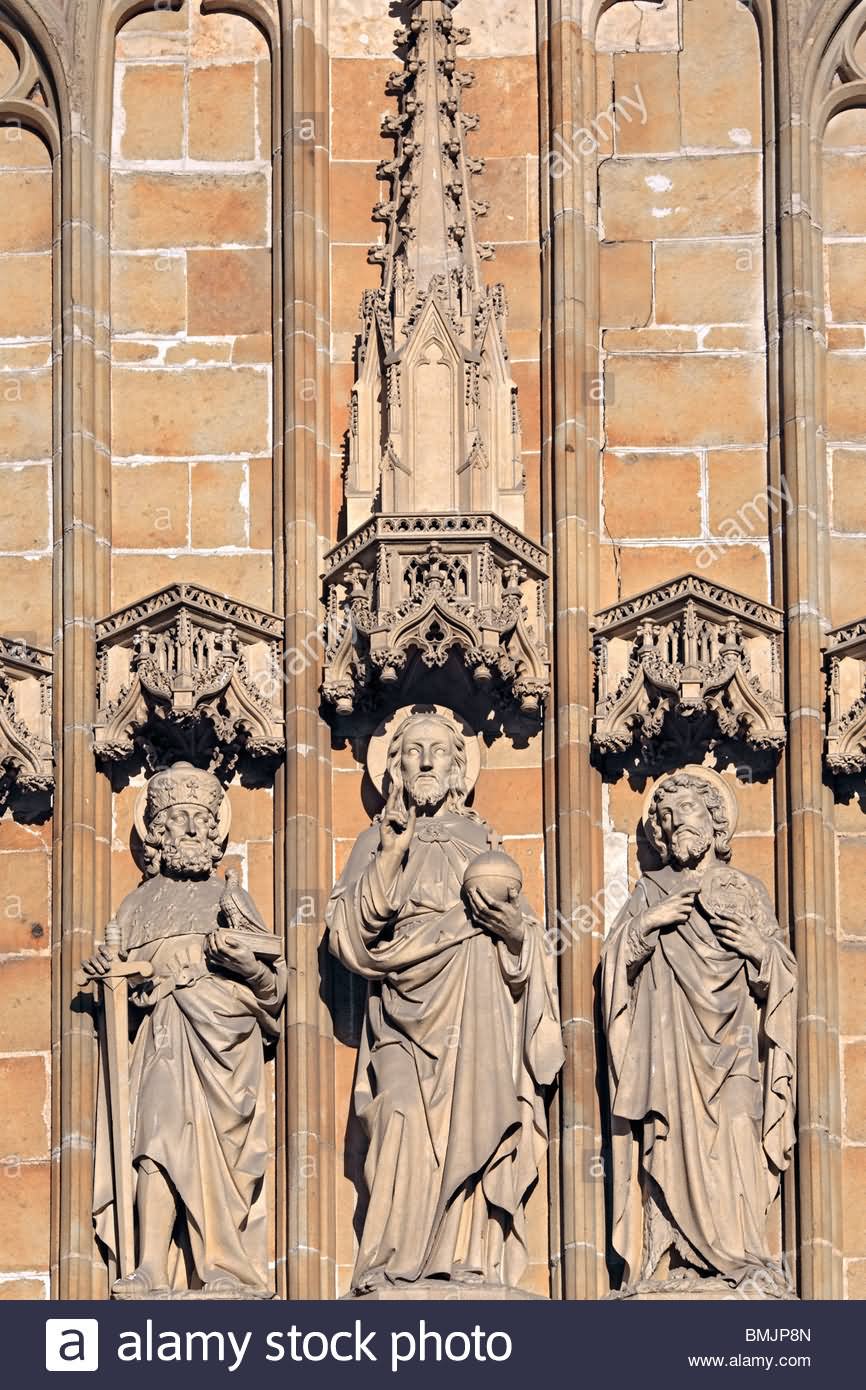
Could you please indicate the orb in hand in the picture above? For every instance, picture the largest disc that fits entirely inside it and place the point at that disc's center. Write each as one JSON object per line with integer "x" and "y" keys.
{"x": 496, "y": 874}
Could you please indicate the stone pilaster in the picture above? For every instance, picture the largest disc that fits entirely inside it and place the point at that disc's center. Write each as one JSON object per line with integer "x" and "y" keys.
{"x": 307, "y": 1071}
{"x": 574, "y": 844}
{"x": 805, "y": 597}
{"x": 82, "y": 521}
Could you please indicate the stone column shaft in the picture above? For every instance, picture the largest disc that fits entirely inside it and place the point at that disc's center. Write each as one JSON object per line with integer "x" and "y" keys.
{"x": 806, "y": 599}
{"x": 82, "y": 569}
{"x": 307, "y": 1078}
{"x": 571, "y": 536}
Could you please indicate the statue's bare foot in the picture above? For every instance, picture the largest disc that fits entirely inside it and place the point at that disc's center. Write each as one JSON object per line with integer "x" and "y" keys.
{"x": 142, "y": 1283}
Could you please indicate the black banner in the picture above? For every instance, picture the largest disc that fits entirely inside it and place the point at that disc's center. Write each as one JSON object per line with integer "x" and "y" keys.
{"x": 198, "y": 1343}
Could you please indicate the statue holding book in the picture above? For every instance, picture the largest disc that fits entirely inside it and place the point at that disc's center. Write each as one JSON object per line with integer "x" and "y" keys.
{"x": 182, "y": 1123}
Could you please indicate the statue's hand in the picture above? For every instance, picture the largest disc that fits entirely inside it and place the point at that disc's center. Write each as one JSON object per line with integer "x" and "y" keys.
{"x": 100, "y": 964}
{"x": 396, "y": 829}
{"x": 231, "y": 956}
{"x": 670, "y": 912}
{"x": 740, "y": 934}
{"x": 504, "y": 920}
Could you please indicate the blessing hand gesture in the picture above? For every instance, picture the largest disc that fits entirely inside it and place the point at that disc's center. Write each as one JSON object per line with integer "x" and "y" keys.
{"x": 396, "y": 829}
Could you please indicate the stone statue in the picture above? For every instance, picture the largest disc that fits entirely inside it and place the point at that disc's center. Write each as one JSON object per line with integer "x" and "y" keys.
{"x": 211, "y": 986}
{"x": 461, "y": 1031}
{"x": 700, "y": 1013}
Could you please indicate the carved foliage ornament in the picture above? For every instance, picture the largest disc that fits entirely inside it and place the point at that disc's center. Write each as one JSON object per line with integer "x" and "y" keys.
{"x": 26, "y": 755}
{"x": 184, "y": 669}
{"x": 430, "y": 586}
{"x": 846, "y": 733}
{"x": 692, "y": 652}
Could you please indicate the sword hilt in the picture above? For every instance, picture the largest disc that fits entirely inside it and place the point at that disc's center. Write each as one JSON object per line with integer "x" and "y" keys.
{"x": 120, "y": 969}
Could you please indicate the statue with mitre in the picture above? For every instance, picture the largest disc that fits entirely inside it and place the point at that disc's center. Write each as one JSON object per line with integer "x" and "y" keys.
{"x": 182, "y": 1136}
{"x": 461, "y": 1033}
{"x": 699, "y": 994}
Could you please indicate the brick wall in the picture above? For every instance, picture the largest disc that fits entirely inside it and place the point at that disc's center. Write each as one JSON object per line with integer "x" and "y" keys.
{"x": 684, "y": 476}
{"x": 192, "y": 358}
{"x": 191, "y": 307}
{"x": 26, "y": 224}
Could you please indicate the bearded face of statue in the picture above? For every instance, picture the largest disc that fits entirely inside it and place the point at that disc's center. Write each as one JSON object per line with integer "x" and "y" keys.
{"x": 687, "y": 827}
{"x": 187, "y": 841}
{"x": 427, "y": 762}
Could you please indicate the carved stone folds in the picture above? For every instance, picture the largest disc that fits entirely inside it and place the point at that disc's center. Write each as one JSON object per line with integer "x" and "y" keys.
{"x": 692, "y": 652}
{"x": 26, "y": 754}
{"x": 430, "y": 585}
{"x": 435, "y": 452}
{"x": 846, "y": 732}
{"x": 187, "y": 668}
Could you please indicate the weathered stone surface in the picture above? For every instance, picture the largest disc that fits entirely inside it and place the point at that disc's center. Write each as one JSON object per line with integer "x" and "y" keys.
{"x": 214, "y": 410}
{"x": 844, "y": 194}
{"x": 25, "y": 404}
{"x": 24, "y": 1200}
{"x": 626, "y": 276}
{"x": 150, "y": 505}
{"x": 647, "y": 119}
{"x": 25, "y": 526}
{"x": 25, "y": 291}
{"x": 25, "y": 992}
{"x": 852, "y": 886}
{"x": 152, "y": 101}
{"x": 222, "y": 112}
{"x": 26, "y": 224}
{"x": 721, "y": 98}
{"x": 230, "y": 292}
{"x": 682, "y": 401}
{"x": 701, "y": 195}
{"x": 709, "y": 282}
{"x": 652, "y": 495}
{"x": 148, "y": 294}
{"x": 25, "y": 902}
{"x": 178, "y": 209}
{"x": 23, "y": 1120}
{"x": 846, "y": 384}
{"x": 849, "y": 490}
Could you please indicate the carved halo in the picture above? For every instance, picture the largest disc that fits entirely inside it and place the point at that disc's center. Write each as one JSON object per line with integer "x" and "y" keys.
{"x": 380, "y": 742}
{"x": 725, "y": 790}
{"x": 224, "y": 819}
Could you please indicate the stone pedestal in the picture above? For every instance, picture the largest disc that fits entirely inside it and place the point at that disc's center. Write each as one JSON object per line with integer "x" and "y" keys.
{"x": 700, "y": 1290}
{"x": 444, "y": 1291}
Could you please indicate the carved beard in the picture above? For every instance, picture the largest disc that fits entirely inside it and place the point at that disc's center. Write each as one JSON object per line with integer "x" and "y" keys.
{"x": 428, "y": 789}
{"x": 188, "y": 859}
{"x": 688, "y": 846}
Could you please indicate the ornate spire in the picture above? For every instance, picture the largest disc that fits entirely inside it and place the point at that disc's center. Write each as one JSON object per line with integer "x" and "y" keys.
{"x": 435, "y": 564}
{"x": 435, "y": 423}
{"x": 430, "y": 213}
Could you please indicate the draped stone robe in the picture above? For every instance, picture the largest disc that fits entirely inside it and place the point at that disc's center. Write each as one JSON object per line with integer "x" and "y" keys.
{"x": 460, "y": 1038}
{"x": 198, "y": 1103}
{"x": 701, "y": 1050}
